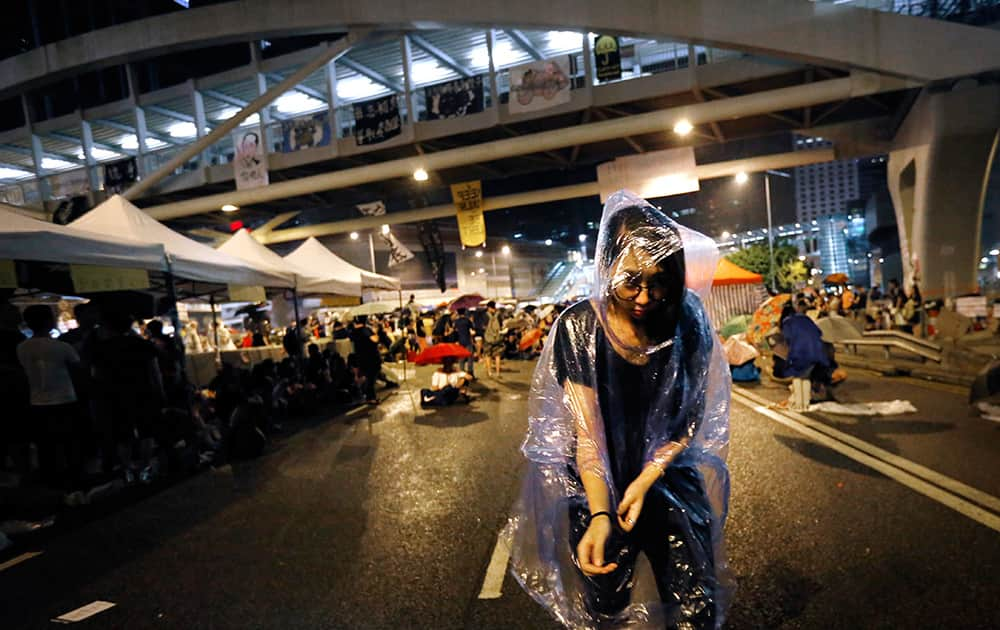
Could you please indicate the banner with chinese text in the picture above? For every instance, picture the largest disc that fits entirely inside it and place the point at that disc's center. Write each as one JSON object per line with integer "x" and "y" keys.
{"x": 377, "y": 120}
{"x": 468, "y": 199}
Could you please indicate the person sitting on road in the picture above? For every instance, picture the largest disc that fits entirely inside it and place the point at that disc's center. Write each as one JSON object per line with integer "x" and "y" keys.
{"x": 447, "y": 386}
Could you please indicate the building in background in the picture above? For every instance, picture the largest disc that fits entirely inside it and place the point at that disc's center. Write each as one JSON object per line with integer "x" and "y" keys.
{"x": 826, "y": 189}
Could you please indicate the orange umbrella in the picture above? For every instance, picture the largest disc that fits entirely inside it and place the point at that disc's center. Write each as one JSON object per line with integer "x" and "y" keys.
{"x": 529, "y": 339}
{"x": 837, "y": 278}
{"x": 766, "y": 318}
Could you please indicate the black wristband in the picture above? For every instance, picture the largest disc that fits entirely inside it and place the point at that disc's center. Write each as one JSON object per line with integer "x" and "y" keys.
{"x": 603, "y": 513}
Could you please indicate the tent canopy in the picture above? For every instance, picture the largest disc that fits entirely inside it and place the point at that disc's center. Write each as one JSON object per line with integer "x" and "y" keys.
{"x": 244, "y": 246}
{"x": 727, "y": 273}
{"x": 314, "y": 255}
{"x": 24, "y": 238}
{"x": 188, "y": 258}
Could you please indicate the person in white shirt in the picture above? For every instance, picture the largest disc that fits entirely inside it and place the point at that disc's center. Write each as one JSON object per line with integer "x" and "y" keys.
{"x": 447, "y": 386}
{"x": 47, "y": 363}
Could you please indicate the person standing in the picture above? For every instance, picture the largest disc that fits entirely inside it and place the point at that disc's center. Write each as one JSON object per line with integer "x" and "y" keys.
{"x": 47, "y": 363}
{"x": 627, "y": 439}
{"x": 366, "y": 361}
{"x": 493, "y": 345}
{"x": 463, "y": 334}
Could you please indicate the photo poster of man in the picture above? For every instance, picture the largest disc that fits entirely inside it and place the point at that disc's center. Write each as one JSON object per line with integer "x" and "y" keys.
{"x": 250, "y": 160}
{"x": 120, "y": 174}
{"x": 377, "y": 120}
{"x": 539, "y": 85}
{"x": 305, "y": 132}
{"x": 454, "y": 99}
{"x": 607, "y": 58}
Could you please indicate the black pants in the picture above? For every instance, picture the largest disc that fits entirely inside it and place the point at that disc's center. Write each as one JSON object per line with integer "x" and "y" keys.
{"x": 678, "y": 545}
{"x": 371, "y": 375}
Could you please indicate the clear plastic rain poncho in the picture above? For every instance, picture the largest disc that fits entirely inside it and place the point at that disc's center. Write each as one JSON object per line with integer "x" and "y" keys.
{"x": 624, "y": 383}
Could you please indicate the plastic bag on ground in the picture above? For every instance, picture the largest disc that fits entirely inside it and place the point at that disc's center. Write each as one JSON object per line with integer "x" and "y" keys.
{"x": 888, "y": 408}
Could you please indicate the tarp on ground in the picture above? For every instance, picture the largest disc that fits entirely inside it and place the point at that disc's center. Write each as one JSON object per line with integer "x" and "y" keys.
{"x": 188, "y": 258}
{"x": 24, "y": 238}
{"x": 245, "y": 247}
{"x": 735, "y": 291}
{"x": 314, "y": 255}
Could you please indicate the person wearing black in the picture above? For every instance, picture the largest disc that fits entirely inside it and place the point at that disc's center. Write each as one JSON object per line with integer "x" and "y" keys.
{"x": 366, "y": 358}
{"x": 628, "y": 431}
{"x": 463, "y": 334}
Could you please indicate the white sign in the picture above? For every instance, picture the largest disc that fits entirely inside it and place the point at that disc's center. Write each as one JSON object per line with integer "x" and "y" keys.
{"x": 373, "y": 209}
{"x": 650, "y": 175}
{"x": 250, "y": 159}
{"x": 539, "y": 85}
{"x": 974, "y": 306}
{"x": 398, "y": 253}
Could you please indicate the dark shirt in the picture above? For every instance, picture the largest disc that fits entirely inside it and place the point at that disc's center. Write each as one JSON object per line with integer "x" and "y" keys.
{"x": 365, "y": 350}
{"x": 8, "y": 347}
{"x": 463, "y": 328}
{"x": 125, "y": 364}
{"x": 805, "y": 345}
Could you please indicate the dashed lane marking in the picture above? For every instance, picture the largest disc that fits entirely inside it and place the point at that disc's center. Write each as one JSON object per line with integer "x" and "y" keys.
{"x": 493, "y": 582}
{"x": 19, "y": 559}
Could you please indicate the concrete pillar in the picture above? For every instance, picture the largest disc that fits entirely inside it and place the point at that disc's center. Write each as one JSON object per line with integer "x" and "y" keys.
{"x": 332, "y": 102}
{"x": 938, "y": 171}
{"x": 411, "y": 105}
{"x": 87, "y": 143}
{"x": 491, "y": 42}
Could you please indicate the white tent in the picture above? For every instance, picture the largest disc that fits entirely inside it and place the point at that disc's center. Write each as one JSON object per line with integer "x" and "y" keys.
{"x": 188, "y": 258}
{"x": 313, "y": 255}
{"x": 24, "y": 238}
{"x": 244, "y": 246}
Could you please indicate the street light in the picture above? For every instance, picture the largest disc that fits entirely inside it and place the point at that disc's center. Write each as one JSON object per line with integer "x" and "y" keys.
{"x": 420, "y": 175}
{"x": 726, "y": 235}
{"x": 354, "y": 236}
{"x": 385, "y": 229}
{"x": 742, "y": 178}
{"x": 479, "y": 253}
{"x": 548, "y": 241}
{"x": 505, "y": 250}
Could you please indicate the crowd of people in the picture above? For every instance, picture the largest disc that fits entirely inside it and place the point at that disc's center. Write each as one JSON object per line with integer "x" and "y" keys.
{"x": 894, "y": 309}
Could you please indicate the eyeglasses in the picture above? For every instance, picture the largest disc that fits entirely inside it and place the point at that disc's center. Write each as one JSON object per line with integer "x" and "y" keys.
{"x": 630, "y": 288}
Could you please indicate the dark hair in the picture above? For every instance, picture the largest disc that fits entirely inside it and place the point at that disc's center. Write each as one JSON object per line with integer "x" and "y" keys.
{"x": 39, "y": 318}
{"x": 649, "y": 227}
{"x": 491, "y": 304}
{"x": 155, "y": 327}
{"x": 118, "y": 321}
{"x": 462, "y": 311}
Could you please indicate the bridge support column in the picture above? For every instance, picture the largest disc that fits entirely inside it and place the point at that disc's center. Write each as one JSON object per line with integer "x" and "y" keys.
{"x": 938, "y": 170}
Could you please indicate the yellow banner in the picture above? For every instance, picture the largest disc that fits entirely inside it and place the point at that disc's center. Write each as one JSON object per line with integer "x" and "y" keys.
{"x": 340, "y": 300}
{"x": 8, "y": 274}
{"x": 468, "y": 199}
{"x": 95, "y": 279}
{"x": 244, "y": 293}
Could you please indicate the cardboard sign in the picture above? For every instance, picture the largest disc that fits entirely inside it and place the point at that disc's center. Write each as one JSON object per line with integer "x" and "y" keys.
{"x": 468, "y": 199}
{"x": 244, "y": 293}
{"x": 96, "y": 279}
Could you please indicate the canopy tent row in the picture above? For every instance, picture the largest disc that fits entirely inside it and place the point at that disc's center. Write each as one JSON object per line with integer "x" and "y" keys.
{"x": 186, "y": 258}
{"x": 244, "y": 246}
{"x": 314, "y": 255}
{"x": 24, "y": 238}
{"x": 735, "y": 291}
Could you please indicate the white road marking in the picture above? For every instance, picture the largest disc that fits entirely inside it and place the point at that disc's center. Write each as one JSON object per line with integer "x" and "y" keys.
{"x": 952, "y": 485}
{"x": 19, "y": 559}
{"x": 912, "y": 481}
{"x": 493, "y": 582}
{"x": 84, "y": 612}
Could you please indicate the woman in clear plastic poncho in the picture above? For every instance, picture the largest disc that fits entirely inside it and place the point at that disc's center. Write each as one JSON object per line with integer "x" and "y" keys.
{"x": 627, "y": 438}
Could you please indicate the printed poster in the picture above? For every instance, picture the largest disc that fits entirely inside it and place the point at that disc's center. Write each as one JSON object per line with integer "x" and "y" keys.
{"x": 539, "y": 85}
{"x": 250, "y": 159}
{"x": 377, "y": 120}
{"x": 454, "y": 99}
{"x": 306, "y": 132}
{"x": 468, "y": 200}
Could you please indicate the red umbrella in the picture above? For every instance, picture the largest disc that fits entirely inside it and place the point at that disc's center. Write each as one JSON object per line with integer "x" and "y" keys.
{"x": 439, "y": 352}
{"x": 469, "y": 300}
{"x": 529, "y": 339}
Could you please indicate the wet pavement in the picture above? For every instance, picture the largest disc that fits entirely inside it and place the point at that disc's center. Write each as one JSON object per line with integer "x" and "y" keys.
{"x": 388, "y": 518}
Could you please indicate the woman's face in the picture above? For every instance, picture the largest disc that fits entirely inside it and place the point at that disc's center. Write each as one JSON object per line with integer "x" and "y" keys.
{"x": 638, "y": 285}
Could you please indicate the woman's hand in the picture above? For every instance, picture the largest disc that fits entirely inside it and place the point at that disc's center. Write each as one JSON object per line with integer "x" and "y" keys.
{"x": 590, "y": 551}
{"x": 631, "y": 504}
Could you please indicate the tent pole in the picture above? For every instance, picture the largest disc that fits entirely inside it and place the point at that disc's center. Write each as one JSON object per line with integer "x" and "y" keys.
{"x": 215, "y": 330}
{"x": 300, "y": 350}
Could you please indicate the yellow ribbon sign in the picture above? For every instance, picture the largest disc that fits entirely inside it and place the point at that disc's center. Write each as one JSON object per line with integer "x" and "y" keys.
{"x": 8, "y": 274}
{"x": 95, "y": 279}
{"x": 244, "y": 293}
{"x": 468, "y": 199}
